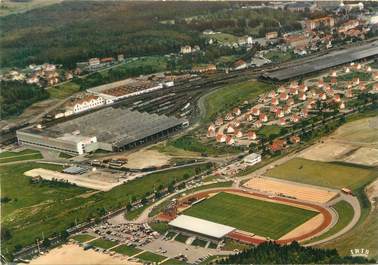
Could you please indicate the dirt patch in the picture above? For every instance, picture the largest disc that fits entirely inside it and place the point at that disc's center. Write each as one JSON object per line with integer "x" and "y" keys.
{"x": 328, "y": 151}
{"x": 72, "y": 254}
{"x": 372, "y": 192}
{"x": 365, "y": 156}
{"x": 147, "y": 158}
{"x": 103, "y": 181}
{"x": 301, "y": 192}
{"x": 364, "y": 131}
{"x": 305, "y": 228}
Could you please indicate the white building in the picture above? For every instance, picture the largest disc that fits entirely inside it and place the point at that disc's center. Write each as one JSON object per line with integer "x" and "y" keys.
{"x": 185, "y": 49}
{"x": 83, "y": 104}
{"x": 252, "y": 159}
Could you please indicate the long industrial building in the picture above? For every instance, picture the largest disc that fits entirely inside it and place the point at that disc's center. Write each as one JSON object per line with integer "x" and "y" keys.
{"x": 110, "y": 129}
{"x": 323, "y": 62}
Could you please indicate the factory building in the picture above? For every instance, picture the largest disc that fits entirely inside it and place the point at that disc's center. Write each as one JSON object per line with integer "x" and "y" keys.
{"x": 110, "y": 129}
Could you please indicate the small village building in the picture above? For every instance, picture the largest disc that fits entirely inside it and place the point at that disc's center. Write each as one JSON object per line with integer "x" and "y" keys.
{"x": 185, "y": 49}
{"x": 252, "y": 159}
{"x": 282, "y": 122}
{"x": 277, "y": 145}
{"x": 263, "y": 117}
{"x": 251, "y": 135}
{"x": 240, "y": 64}
{"x": 295, "y": 139}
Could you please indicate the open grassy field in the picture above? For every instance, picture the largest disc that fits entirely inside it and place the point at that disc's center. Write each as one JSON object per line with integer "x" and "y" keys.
{"x": 82, "y": 238}
{"x": 225, "y": 98}
{"x": 63, "y": 91}
{"x": 127, "y": 250}
{"x": 9, "y": 7}
{"x": 103, "y": 243}
{"x": 255, "y": 216}
{"x": 270, "y": 130}
{"x": 362, "y": 131}
{"x": 364, "y": 235}
{"x": 27, "y": 154}
{"x": 333, "y": 175}
{"x": 50, "y": 207}
{"x": 223, "y": 38}
{"x": 150, "y": 257}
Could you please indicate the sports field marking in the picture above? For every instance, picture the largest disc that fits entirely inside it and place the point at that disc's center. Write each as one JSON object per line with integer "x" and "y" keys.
{"x": 259, "y": 217}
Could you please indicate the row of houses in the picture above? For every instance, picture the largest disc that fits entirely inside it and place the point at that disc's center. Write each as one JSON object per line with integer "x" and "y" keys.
{"x": 289, "y": 104}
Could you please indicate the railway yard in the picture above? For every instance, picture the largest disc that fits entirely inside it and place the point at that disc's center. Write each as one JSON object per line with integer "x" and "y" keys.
{"x": 123, "y": 208}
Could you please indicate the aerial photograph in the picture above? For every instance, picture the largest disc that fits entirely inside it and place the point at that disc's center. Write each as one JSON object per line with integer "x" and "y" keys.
{"x": 188, "y": 132}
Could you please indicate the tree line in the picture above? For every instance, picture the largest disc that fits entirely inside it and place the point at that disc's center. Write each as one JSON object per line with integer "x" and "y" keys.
{"x": 294, "y": 253}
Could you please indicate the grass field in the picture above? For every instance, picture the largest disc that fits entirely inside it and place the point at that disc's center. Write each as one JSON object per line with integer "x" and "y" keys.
{"x": 364, "y": 235}
{"x": 225, "y": 98}
{"x": 127, "y": 250}
{"x": 82, "y": 238}
{"x": 199, "y": 242}
{"x": 8, "y": 156}
{"x": 259, "y": 217}
{"x": 103, "y": 243}
{"x": 150, "y": 257}
{"x": 64, "y": 91}
{"x": 362, "y": 130}
{"x": 270, "y": 130}
{"x": 11, "y": 7}
{"x": 161, "y": 227}
{"x": 50, "y": 207}
{"x": 333, "y": 175}
{"x": 181, "y": 238}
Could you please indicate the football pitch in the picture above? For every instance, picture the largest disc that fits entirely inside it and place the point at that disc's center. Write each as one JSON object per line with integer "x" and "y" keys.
{"x": 262, "y": 218}
{"x": 333, "y": 175}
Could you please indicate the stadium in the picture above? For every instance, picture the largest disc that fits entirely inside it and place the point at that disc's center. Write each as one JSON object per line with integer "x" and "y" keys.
{"x": 248, "y": 217}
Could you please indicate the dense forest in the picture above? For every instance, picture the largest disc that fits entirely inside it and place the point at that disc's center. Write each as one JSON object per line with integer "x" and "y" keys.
{"x": 74, "y": 31}
{"x": 16, "y": 96}
{"x": 272, "y": 253}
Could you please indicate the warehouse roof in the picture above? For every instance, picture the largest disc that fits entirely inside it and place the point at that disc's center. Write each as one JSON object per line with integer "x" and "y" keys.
{"x": 325, "y": 61}
{"x": 201, "y": 226}
{"x": 116, "y": 126}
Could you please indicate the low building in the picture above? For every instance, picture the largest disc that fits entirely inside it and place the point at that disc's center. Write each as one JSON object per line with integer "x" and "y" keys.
{"x": 204, "y": 68}
{"x": 312, "y": 24}
{"x": 124, "y": 89}
{"x": 109, "y": 129}
{"x": 85, "y": 103}
{"x": 252, "y": 159}
{"x": 186, "y": 49}
{"x": 240, "y": 64}
{"x": 271, "y": 35}
{"x": 296, "y": 41}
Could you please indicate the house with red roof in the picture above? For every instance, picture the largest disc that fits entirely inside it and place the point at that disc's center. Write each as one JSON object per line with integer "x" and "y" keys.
{"x": 277, "y": 145}
{"x": 251, "y": 135}
{"x": 295, "y": 139}
{"x": 284, "y": 96}
{"x": 263, "y": 117}
{"x": 282, "y": 122}
{"x": 275, "y": 101}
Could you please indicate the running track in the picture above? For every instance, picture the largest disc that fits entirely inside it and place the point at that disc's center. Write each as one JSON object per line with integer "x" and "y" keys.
{"x": 246, "y": 238}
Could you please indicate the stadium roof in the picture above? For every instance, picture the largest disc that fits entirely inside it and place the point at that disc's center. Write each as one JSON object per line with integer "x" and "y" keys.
{"x": 201, "y": 226}
{"x": 331, "y": 59}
